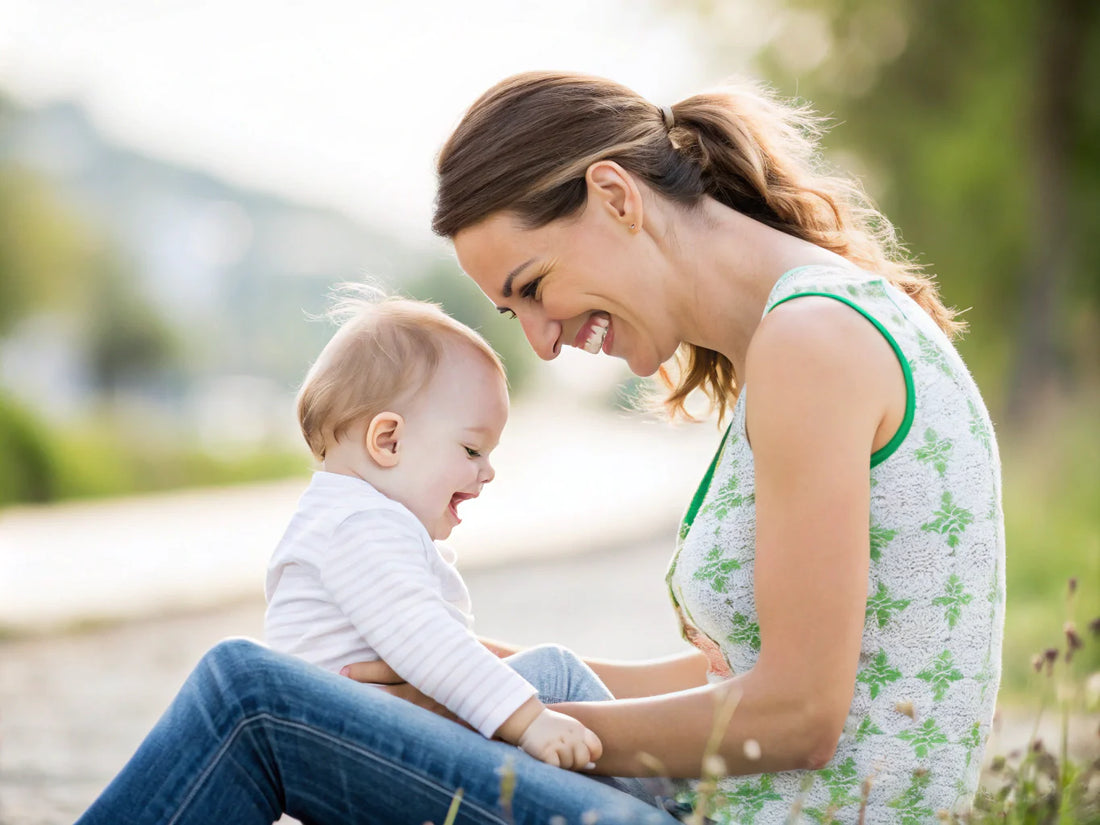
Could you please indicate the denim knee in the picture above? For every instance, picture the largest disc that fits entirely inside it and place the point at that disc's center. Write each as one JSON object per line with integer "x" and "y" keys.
{"x": 231, "y": 675}
{"x": 558, "y": 674}
{"x": 234, "y": 654}
{"x": 553, "y": 655}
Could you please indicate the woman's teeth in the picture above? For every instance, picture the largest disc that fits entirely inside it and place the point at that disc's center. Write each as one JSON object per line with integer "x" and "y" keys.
{"x": 595, "y": 338}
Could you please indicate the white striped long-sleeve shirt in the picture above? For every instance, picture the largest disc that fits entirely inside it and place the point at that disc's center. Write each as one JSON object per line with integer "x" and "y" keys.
{"x": 356, "y": 577}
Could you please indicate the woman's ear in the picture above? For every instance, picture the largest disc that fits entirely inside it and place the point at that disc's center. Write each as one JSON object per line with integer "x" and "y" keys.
{"x": 615, "y": 190}
{"x": 383, "y": 437}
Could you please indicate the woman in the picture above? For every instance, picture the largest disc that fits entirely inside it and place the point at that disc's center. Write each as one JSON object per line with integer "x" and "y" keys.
{"x": 841, "y": 578}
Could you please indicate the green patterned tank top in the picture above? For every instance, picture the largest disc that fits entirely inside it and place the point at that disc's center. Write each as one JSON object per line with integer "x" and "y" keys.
{"x": 929, "y": 663}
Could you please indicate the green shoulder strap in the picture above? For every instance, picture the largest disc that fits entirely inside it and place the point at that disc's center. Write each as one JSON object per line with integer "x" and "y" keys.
{"x": 704, "y": 486}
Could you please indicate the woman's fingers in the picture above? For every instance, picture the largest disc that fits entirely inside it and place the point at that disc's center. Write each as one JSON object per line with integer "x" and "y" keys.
{"x": 378, "y": 673}
{"x": 413, "y": 696}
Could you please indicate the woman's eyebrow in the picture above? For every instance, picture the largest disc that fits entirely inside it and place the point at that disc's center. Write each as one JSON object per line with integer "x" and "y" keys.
{"x": 507, "y": 291}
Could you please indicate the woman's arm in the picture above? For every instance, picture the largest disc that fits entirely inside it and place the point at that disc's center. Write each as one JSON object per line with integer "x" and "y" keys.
{"x": 500, "y": 649}
{"x": 652, "y": 677}
{"x": 631, "y": 680}
{"x": 625, "y": 680}
{"x": 821, "y": 382}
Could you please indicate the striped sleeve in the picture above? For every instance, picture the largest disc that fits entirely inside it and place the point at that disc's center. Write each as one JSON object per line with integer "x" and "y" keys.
{"x": 376, "y": 571}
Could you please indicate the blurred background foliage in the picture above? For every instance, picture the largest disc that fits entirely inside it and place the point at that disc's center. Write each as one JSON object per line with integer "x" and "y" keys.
{"x": 154, "y": 320}
{"x": 976, "y": 127}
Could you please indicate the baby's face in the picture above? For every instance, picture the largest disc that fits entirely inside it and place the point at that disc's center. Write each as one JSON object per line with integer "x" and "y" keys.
{"x": 450, "y": 430}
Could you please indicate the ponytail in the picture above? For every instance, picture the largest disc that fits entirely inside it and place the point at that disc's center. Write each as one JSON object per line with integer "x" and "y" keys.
{"x": 526, "y": 144}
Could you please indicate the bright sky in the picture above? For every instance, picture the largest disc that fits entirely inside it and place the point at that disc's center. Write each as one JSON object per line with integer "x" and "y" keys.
{"x": 339, "y": 102}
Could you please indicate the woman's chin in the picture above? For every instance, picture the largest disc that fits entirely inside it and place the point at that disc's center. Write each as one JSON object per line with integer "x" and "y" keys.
{"x": 642, "y": 364}
{"x": 645, "y": 364}
{"x": 643, "y": 368}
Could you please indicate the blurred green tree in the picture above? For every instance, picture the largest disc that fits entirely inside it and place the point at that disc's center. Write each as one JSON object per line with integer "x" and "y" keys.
{"x": 977, "y": 127}
{"x": 28, "y": 471}
{"x": 42, "y": 248}
{"x": 52, "y": 261}
{"x": 127, "y": 342}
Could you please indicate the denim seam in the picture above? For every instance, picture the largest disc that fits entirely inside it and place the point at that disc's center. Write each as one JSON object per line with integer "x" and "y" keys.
{"x": 267, "y": 717}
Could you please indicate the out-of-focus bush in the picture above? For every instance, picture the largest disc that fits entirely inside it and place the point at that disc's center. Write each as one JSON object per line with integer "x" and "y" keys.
{"x": 39, "y": 463}
{"x": 27, "y": 471}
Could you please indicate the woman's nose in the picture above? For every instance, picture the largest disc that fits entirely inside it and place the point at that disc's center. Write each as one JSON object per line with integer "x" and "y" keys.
{"x": 543, "y": 334}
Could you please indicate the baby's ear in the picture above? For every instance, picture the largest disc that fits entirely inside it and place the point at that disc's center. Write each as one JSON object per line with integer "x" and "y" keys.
{"x": 383, "y": 437}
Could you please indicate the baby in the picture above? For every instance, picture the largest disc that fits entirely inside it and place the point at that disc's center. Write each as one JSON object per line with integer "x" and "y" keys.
{"x": 402, "y": 409}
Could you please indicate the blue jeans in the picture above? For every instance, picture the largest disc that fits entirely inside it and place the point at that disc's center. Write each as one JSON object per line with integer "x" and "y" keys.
{"x": 561, "y": 676}
{"x": 253, "y": 734}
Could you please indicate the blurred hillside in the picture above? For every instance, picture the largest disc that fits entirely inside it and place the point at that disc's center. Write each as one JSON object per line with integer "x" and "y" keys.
{"x": 234, "y": 268}
{"x": 144, "y": 304}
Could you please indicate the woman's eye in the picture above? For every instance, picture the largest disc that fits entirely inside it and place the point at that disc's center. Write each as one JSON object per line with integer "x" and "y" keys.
{"x": 472, "y": 453}
{"x": 506, "y": 311}
{"x": 530, "y": 290}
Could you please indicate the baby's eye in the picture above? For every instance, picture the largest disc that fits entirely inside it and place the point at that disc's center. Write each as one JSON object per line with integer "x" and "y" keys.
{"x": 472, "y": 453}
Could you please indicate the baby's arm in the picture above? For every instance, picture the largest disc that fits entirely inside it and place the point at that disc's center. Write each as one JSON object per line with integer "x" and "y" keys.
{"x": 377, "y": 573}
{"x": 552, "y": 737}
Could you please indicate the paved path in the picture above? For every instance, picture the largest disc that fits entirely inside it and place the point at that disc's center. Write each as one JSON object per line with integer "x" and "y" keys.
{"x": 75, "y": 706}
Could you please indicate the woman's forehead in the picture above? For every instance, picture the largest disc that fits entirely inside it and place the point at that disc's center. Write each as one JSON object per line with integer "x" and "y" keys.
{"x": 493, "y": 249}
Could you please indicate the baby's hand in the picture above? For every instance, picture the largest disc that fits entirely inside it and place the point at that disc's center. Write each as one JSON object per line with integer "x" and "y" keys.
{"x": 561, "y": 741}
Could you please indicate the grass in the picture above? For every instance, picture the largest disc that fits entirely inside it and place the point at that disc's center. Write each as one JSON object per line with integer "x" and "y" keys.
{"x": 1052, "y": 525}
{"x": 1040, "y": 786}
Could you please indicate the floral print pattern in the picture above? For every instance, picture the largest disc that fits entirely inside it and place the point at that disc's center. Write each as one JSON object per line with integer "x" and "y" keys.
{"x": 930, "y": 659}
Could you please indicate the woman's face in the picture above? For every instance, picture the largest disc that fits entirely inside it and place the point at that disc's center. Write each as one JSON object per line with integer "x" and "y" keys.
{"x": 589, "y": 282}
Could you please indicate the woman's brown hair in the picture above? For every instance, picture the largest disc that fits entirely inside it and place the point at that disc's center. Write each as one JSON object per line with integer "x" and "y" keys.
{"x": 525, "y": 145}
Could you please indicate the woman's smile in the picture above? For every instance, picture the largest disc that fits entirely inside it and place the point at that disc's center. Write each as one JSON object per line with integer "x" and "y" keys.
{"x": 592, "y": 335}
{"x": 576, "y": 302}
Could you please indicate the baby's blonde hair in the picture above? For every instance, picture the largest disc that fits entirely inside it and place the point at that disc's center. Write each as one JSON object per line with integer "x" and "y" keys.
{"x": 385, "y": 351}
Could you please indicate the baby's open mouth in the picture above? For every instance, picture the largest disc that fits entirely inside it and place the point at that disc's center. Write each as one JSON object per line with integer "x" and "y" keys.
{"x": 457, "y": 499}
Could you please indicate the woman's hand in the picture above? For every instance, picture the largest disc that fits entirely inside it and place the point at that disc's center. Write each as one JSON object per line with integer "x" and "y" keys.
{"x": 374, "y": 673}
{"x": 384, "y": 678}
